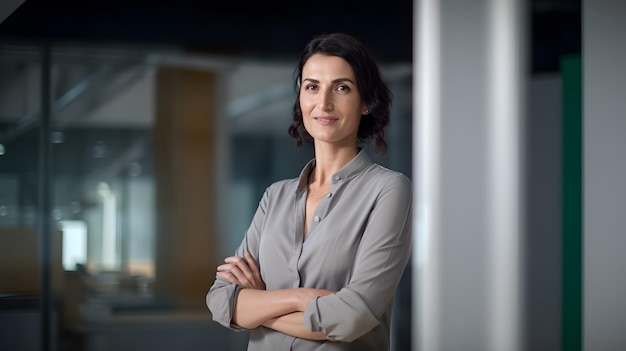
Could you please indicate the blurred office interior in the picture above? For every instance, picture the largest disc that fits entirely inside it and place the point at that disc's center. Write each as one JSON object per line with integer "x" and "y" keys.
{"x": 136, "y": 138}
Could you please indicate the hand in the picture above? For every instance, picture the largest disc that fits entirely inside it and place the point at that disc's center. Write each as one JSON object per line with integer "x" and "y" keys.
{"x": 242, "y": 271}
{"x": 306, "y": 295}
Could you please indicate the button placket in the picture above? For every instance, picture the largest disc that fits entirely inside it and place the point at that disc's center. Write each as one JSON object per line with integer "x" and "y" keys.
{"x": 322, "y": 209}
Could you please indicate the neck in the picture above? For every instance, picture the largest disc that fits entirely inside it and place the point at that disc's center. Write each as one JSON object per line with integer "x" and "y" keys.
{"x": 329, "y": 161}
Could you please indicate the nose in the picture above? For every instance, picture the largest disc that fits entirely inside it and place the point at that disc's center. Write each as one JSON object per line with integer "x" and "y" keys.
{"x": 325, "y": 102}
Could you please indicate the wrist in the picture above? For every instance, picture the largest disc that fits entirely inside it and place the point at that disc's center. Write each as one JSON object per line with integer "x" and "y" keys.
{"x": 303, "y": 297}
{"x": 295, "y": 299}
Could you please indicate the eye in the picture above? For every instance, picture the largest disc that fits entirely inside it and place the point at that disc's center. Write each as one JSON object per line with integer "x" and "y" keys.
{"x": 343, "y": 88}
{"x": 311, "y": 87}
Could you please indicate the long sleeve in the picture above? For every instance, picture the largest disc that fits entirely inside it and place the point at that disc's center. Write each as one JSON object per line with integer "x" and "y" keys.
{"x": 380, "y": 260}
{"x": 222, "y": 295}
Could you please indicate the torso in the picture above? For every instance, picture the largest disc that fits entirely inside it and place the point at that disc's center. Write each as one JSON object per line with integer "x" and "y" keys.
{"x": 326, "y": 259}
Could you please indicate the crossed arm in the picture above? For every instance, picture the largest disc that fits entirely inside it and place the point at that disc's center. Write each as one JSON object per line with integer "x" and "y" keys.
{"x": 281, "y": 310}
{"x": 238, "y": 297}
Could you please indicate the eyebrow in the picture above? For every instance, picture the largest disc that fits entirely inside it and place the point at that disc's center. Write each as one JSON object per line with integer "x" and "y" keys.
{"x": 335, "y": 81}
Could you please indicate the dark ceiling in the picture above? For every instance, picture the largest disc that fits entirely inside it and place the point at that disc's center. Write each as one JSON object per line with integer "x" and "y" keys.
{"x": 269, "y": 29}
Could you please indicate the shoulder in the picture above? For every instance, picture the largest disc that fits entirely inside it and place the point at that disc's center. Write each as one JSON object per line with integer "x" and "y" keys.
{"x": 282, "y": 186}
{"x": 393, "y": 190}
{"x": 386, "y": 177}
{"x": 277, "y": 192}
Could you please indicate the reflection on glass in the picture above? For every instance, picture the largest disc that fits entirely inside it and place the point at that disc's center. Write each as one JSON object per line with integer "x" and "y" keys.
{"x": 74, "y": 243}
{"x": 109, "y": 228}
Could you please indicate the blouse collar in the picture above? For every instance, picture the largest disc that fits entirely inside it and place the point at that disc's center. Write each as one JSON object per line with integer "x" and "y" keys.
{"x": 357, "y": 165}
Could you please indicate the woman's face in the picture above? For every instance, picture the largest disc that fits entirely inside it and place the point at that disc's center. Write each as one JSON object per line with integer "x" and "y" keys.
{"x": 330, "y": 100}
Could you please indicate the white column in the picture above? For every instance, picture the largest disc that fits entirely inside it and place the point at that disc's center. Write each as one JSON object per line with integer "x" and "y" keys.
{"x": 504, "y": 100}
{"x": 426, "y": 167}
{"x": 467, "y": 167}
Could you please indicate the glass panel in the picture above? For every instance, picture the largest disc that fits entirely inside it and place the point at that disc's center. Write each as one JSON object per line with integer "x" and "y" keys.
{"x": 20, "y": 91}
{"x": 102, "y": 155}
{"x": 103, "y": 187}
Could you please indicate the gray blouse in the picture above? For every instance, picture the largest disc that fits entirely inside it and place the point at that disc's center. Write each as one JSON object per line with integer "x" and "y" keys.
{"x": 358, "y": 244}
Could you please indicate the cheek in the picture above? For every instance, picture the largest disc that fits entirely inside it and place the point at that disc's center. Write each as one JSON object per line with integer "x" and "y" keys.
{"x": 305, "y": 106}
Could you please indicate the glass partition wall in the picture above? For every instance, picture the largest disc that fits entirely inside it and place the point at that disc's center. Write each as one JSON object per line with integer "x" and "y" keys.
{"x": 90, "y": 178}
{"x": 157, "y": 162}
{"x": 20, "y": 184}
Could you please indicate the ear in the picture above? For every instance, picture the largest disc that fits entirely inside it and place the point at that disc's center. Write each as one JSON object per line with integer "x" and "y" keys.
{"x": 365, "y": 110}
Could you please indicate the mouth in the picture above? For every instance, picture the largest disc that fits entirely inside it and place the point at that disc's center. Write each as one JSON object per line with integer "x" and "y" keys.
{"x": 325, "y": 120}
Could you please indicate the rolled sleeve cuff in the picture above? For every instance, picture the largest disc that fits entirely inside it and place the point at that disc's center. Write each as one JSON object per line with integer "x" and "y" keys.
{"x": 343, "y": 316}
{"x": 221, "y": 303}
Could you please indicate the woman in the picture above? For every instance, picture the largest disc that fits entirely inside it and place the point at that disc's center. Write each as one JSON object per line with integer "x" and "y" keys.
{"x": 319, "y": 265}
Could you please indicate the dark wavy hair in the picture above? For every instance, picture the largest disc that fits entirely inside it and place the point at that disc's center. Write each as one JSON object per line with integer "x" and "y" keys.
{"x": 373, "y": 90}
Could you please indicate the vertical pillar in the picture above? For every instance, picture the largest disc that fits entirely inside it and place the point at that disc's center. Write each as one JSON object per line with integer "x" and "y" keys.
{"x": 45, "y": 203}
{"x": 467, "y": 112}
{"x": 185, "y": 174}
{"x": 572, "y": 188}
{"x": 505, "y": 109}
{"x": 426, "y": 267}
{"x": 604, "y": 172}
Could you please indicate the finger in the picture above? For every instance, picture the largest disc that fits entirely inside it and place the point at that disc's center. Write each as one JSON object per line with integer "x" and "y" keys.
{"x": 232, "y": 270}
{"x": 243, "y": 266}
{"x": 240, "y": 275}
{"x": 245, "y": 270}
{"x": 224, "y": 267}
{"x": 229, "y": 277}
{"x": 238, "y": 261}
{"x": 233, "y": 276}
{"x": 234, "y": 259}
{"x": 251, "y": 262}
{"x": 256, "y": 272}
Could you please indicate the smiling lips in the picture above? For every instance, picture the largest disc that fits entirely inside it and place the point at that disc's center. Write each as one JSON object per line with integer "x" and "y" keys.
{"x": 325, "y": 121}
